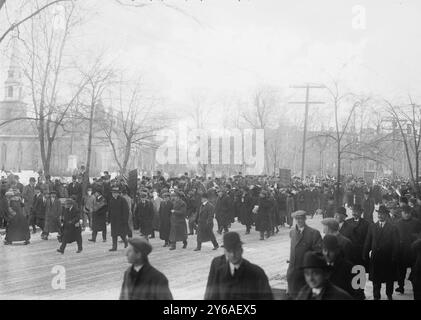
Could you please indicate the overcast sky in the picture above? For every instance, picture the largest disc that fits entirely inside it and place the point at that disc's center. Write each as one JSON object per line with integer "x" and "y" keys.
{"x": 230, "y": 47}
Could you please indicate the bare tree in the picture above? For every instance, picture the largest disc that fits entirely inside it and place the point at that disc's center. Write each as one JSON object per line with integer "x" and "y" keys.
{"x": 408, "y": 121}
{"x": 44, "y": 67}
{"x": 35, "y": 12}
{"x": 133, "y": 124}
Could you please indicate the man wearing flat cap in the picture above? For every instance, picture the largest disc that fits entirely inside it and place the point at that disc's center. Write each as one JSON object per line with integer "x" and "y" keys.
{"x": 331, "y": 227}
{"x": 303, "y": 239}
{"x": 318, "y": 287}
{"x": 141, "y": 280}
{"x": 235, "y": 278}
{"x": 381, "y": 251}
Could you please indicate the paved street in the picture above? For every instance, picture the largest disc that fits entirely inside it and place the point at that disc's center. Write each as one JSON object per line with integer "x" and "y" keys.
{"x": 97, "y": 274}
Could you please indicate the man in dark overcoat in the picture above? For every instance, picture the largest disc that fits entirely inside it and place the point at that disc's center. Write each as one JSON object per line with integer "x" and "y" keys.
{"x": 164, "y": 218}
{"x": 303, "y": 239}
{"x": 245, "y": 207}
{"x": 72, "y": 228}
{"x": 235, "y": 278}
{"x": 38, "y": 210}
{"x": 53, "y": 216}
{"x": 99, "y": 217}
{"x": 264, "y": 214}
{"x": 178, "y": 230}
{"x": 118, "y": 215}
{"x": 409, "y": 229}
{"x": 223, "y": 208}
{"x": 368, "y": 207}
{"x": 144, "y": 215}
{"x": 381, "y": 250}
{"x": 204, "y": 223}
{"x": 141, "y": 280}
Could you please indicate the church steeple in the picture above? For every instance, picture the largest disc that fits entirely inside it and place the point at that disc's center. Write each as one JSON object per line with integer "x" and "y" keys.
{"x": 13, "y": 84}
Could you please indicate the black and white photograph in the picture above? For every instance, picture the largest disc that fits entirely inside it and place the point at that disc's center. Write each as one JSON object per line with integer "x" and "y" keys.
{"x": 210, "y": 150}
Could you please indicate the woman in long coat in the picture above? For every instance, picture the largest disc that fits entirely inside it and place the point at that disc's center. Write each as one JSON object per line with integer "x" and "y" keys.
{"x": 263, "y": 216}
{"x": 17, "y": 228}
{"x": 164, "y": 219}
{"x": 53, "y": 215}
{"x": 178, "y": 231}
{"x": 99, "y": 217}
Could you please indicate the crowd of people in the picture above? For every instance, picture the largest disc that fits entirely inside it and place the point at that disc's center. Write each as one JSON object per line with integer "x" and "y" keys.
{"x": 181, "y": 206}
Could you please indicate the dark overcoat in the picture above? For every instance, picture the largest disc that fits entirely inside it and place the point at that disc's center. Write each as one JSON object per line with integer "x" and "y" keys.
{"x": 205, "y": 222}
{"x": 264, "y": 215}
{"x": 17, "y": 228}
{"x": 244, "y": 209}
{"x": 178, "y": 230}
{"x": 384, "y": 246}
{"x": 165, "y": 218}
{"x": 223, "y": 209}
{"x": 38, "y": 210}
{"x": 308, "y": 240}
{"x": 71, "y": 217}
{"x": 357, "y": 233}
{"x": 409, "y": 231}
{"x": 144, "y": 216}
{"x": 99, "y": 215}
{"x": 248, "y": 283}
{"x": 118, "y": 217}
{"x": 53, "y": 216}
{"x": 147, "y": 284}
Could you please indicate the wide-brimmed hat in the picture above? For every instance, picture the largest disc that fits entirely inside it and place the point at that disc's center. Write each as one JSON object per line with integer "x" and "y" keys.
{"x": 314, "y": 260}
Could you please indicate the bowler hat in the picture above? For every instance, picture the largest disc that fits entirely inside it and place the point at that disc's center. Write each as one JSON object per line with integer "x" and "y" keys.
{"x": 341, "y": 210}
{"x": 299, "y": 213}
{"x": 331, "y": 223}
{"x": 141, "y": 245}
{"x": 314, "y": 260}
{"x": 232, "y": 241}
{"x": 330, "y": 242}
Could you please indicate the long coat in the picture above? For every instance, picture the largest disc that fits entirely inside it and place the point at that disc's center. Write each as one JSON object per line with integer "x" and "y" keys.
{"x": 205, "y": 222}
{"x": 408, "y": 232}
{"x": 290, "y": 209}
{"x": 155, "y": 205}
{"x": 178, "y": 230}
{"x": 264, "y": 215}
{"x": 357, "y": 233}
{"x": 38, "y": 210}
{"x": 308, "y": 240}
{"x": 53, "y": 215}
{"x": 118, "y": 216}
{"x": 341, "y": 275}
{"x": 147, "y": 284}
{"x": 17, "y": 228}
{"x": 71, "y": 217}
{"x": 28, "y": 197}
{"x": 164, "y": 218}
{"x": 223, "y": 209}
{"x": 368, "y": 208}
{"x": 144, "y": 217}
{"x": 244, "y": 209}
{"x": 384, "y": 246}
{"x": 249, "y": 282}
{"x": 99, "y": 216}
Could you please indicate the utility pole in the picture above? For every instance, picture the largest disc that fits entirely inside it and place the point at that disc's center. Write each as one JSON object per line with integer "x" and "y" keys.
{"x": 307, "y": 104}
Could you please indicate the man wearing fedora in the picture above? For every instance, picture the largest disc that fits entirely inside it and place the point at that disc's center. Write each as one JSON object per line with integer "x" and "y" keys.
{"x": 141, "y": 280}
{"x": 340, "y": 216}
{"x": 381, "y": 250}
{"x": 204, "y": 221}
{"x": 144, "y": 215}
{"x": 235, "y": 278}
{"x": 303, "y": 239}
{"x": 318, "y": 285}
{"x": 340, "y": 268}
{"x": 409, "y": 229}
{"x": 53, "y": 215}
{"x": 331, "y": 227}
{"x": 118, "y": 217}
{"x": 72, "y": 229}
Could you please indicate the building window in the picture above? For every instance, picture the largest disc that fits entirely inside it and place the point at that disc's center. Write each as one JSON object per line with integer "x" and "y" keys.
{"x": 10, "y": 92}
